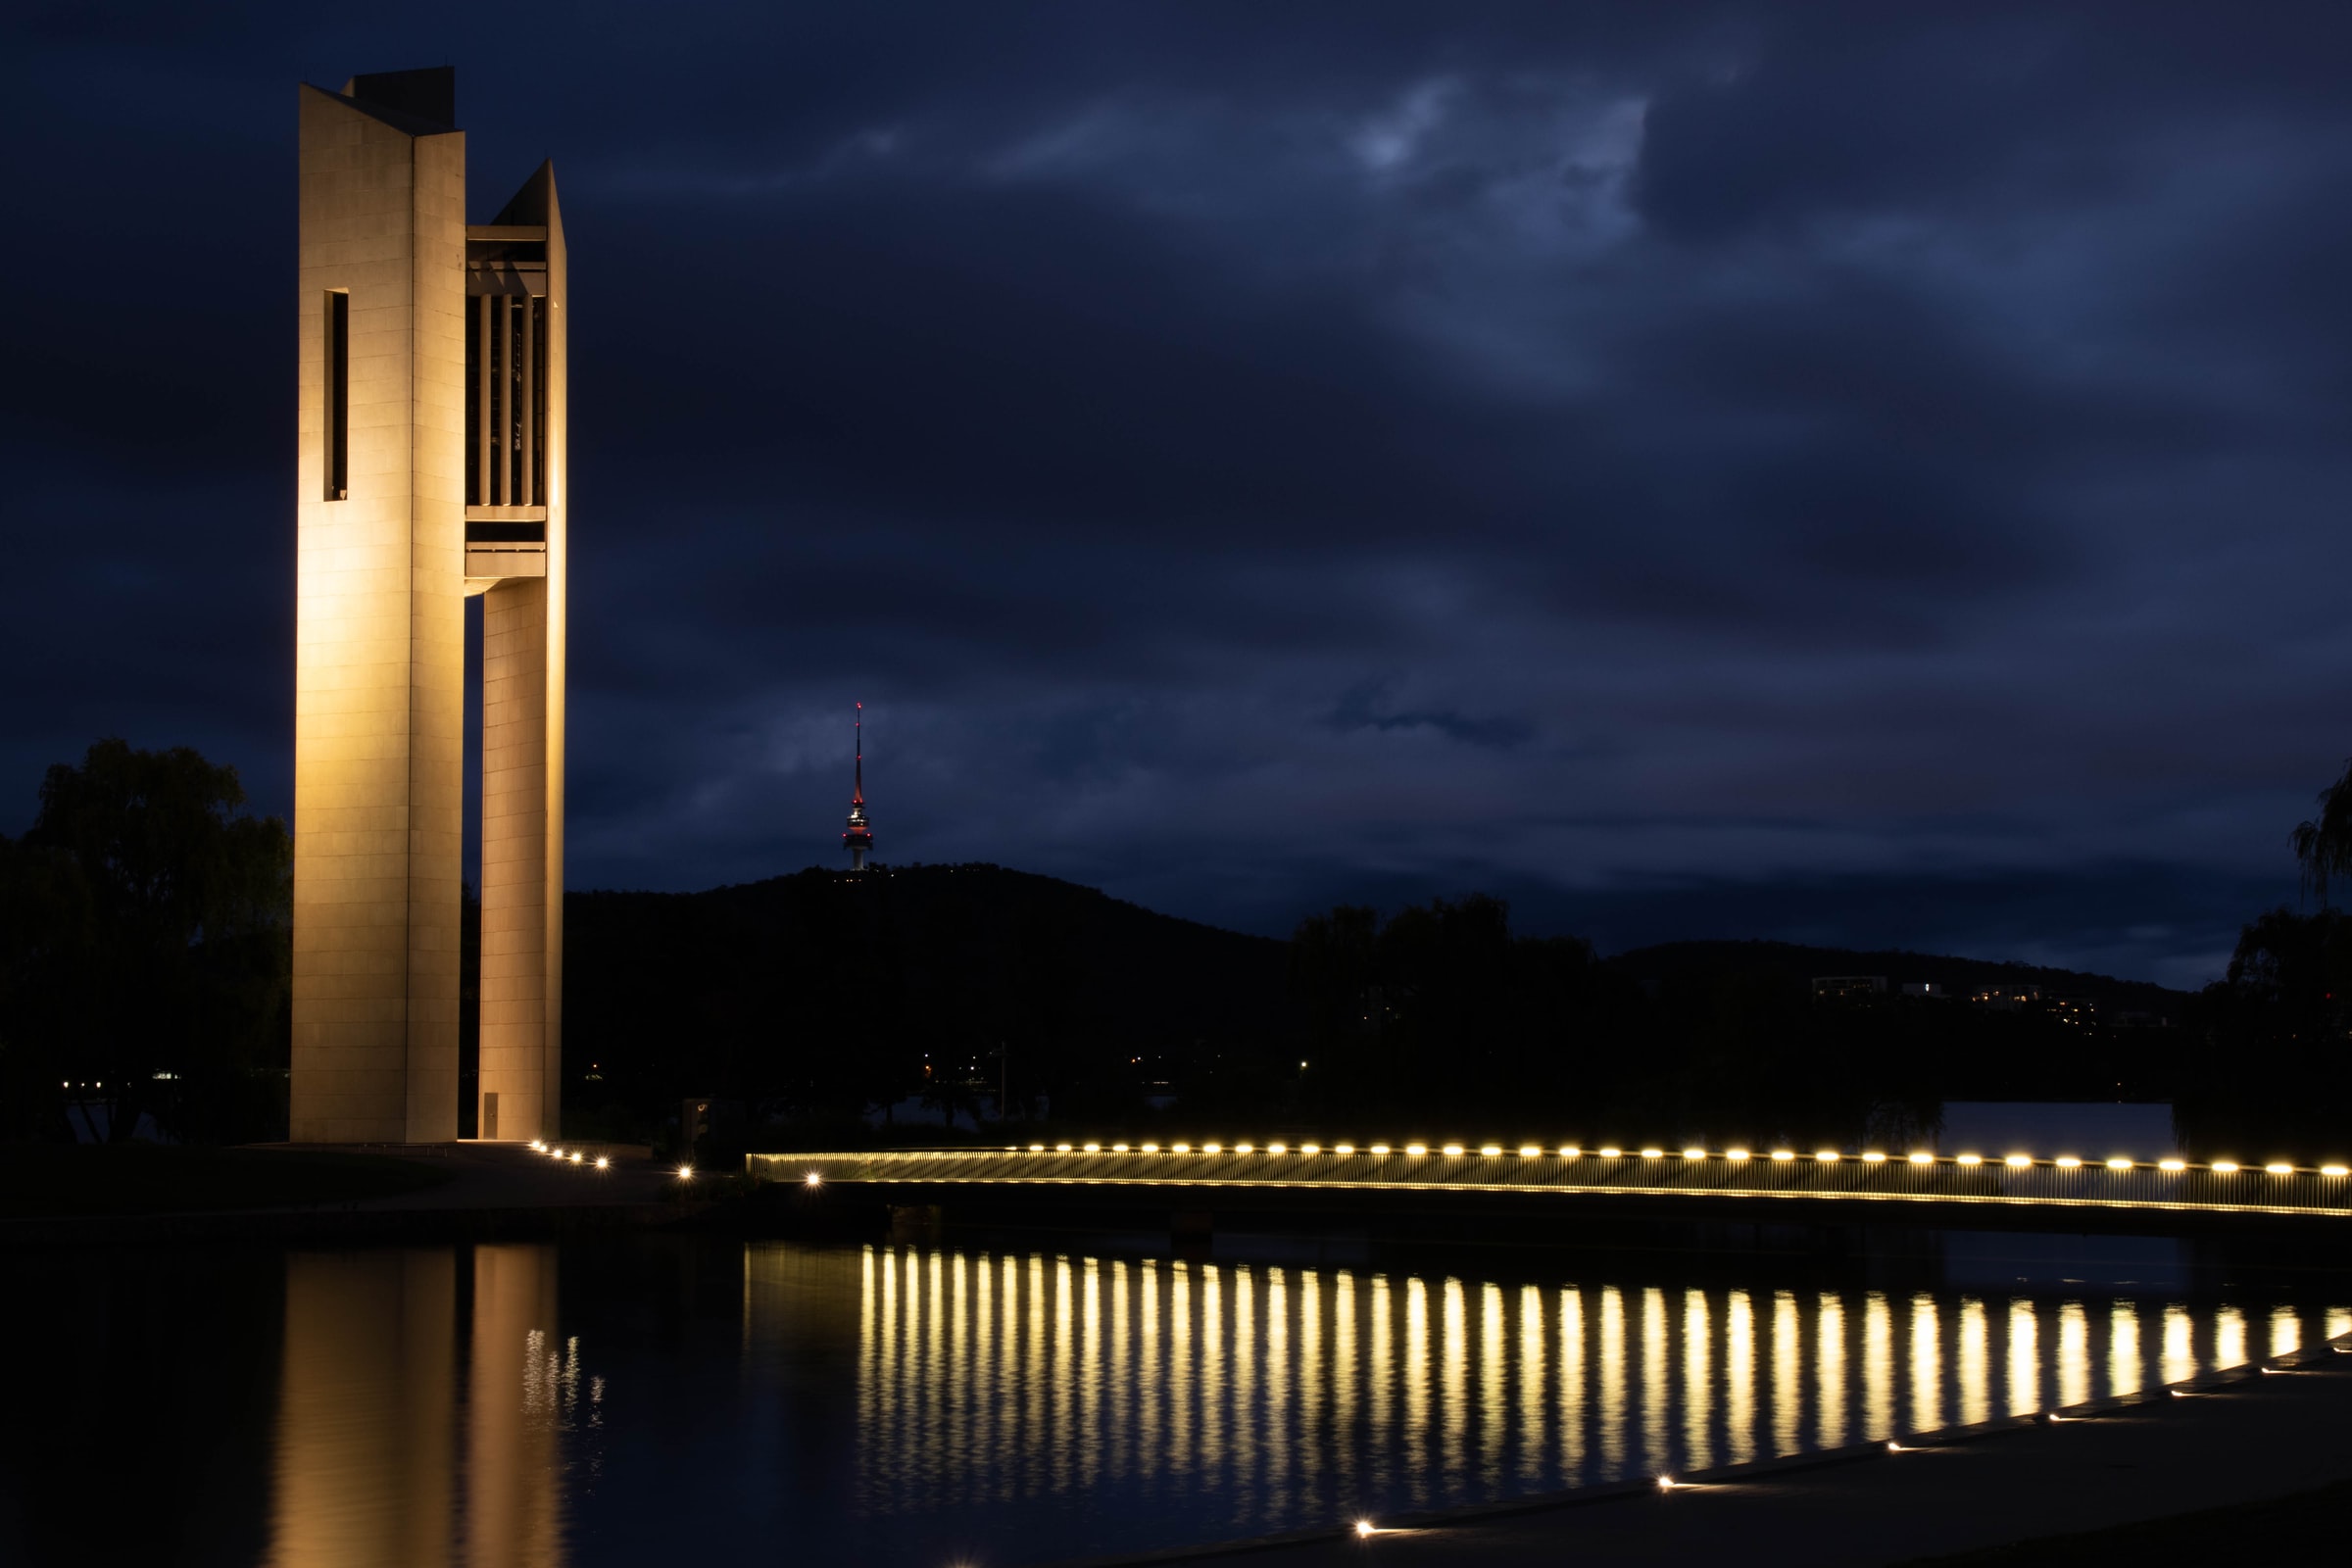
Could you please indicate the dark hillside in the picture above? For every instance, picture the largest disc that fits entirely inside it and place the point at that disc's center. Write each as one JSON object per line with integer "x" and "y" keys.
{"x": 1959, "y": 975}
{"x": 816, "y": 993}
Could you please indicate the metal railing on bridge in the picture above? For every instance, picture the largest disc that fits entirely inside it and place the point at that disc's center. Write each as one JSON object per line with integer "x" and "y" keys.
{"x": 2012, "y": 1178}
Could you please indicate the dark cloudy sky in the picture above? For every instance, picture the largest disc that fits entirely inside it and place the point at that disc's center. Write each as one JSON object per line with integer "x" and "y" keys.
{"x": 1870, "y": 473}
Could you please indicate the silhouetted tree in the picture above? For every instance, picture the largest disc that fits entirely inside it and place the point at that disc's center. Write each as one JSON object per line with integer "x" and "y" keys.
{"x": 146, "y": 917}
{"x": 2323, "y": 845}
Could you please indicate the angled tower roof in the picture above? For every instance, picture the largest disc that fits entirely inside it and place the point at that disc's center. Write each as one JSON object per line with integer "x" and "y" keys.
{"x": 534, "y": 202}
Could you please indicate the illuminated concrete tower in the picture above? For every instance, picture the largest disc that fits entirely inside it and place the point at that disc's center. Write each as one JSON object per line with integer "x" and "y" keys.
{"x": 431, "y": 468}
{"x": 859, "y": 837}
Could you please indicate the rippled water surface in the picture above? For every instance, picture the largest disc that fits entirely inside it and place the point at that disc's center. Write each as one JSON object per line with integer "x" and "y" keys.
{"x": 623, "y": 1403}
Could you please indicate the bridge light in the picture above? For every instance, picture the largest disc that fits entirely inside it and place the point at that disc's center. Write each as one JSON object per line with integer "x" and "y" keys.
{"x": 1061, "y": 1149}
{"x": 2280, "y": 1169}
{"x": 1091, "y": 1148}
{"x": 1244, "y": 1148}
{"x": 1489, "y": 1151}
{"x": 2335, "y": 1170}
{"x": 2018, "y": 1161}
{"x": 1736, "y": 1156}
{"x": 2172, "y": 1164}
{"x": 1920, "y": 1156}
{"x": 1828, "y": 1156}
{"x": 1036, "y": 1148}
{"x": 1570, "y": 1151}
{"x": 1969, "y": 1159}
{"x": 2118, "y": 1164}
{"x": 1151, "y": 1148}
{"x": 1212, "y": 1149}
{"x": 1278, "y": 1148}
{"x": 1694, "y": 1153}
{"x": 1654, "y": 1153}
{"x": 1380, "y": 1149}
{"x": 1310, "y": 1148}
{"x": 1343, "y": 1148}
{"x": 1452, "y": 1151}
{"x": 1873, "y": 1158}
{"x": 2224, "y": 1168}
{"x": 2067, "y": 1162}
{"x": 1529, "y": 1150}
{"x": 1783, "y": 1154}
{"x": 1417, "y": 1149}
{"x": 1612, "y": 1154}
{"x": 1180, "y": 1149}
{"x": 1118, "y": 1149}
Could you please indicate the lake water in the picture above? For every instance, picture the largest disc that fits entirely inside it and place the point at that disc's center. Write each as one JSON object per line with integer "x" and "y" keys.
{"x": 667, "y": 1399}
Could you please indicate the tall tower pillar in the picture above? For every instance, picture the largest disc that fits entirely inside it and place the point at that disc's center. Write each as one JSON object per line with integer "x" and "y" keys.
{"x": 423, "y": 386}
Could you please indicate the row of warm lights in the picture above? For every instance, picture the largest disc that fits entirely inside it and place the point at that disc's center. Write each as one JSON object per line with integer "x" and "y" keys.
{"x": 1824, "y": 1156}
{"x": 603, "y": 1163}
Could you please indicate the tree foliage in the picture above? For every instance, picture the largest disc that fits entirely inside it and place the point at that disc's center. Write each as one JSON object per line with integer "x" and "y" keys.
{"x": 144, "y": 949}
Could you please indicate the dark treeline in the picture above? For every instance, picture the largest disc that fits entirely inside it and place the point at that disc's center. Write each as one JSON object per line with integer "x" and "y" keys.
{"x": 144, "y": 946}
{"x": 144, "y": 953}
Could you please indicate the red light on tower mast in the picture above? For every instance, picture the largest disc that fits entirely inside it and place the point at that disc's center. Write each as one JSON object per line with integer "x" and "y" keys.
{"x": 858, "y": 838}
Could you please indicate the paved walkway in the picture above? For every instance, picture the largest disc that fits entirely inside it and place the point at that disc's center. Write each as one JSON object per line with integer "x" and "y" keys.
{"x": 513, "y": 1176}
{"x": 2245, "y": 1437}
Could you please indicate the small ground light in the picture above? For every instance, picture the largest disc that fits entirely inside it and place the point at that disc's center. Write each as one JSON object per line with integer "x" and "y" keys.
{"x": 575, "y": 1156}
{"x": 1364, "y": 1527}
{"x": 815, "y": 1180}
{"x": 1665, "y": 1483}
{"x": 603, "y": 1163}
{"x": 685, "y": 1173}
{"x": 1920, "y": 1156}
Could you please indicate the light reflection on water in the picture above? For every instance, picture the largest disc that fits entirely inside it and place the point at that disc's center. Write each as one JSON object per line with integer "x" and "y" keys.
{"x": 623, "y": 1401}
{"x": 1261, "y": 1398}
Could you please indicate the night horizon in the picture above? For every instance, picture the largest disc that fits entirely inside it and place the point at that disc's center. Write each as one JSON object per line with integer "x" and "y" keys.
{"x": 1801, "y": 473}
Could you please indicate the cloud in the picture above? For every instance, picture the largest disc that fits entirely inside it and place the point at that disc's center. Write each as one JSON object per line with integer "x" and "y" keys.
{"x": 1783, "y": 465}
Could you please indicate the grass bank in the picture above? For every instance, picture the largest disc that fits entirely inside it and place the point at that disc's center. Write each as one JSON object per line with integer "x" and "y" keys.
{"x": 2305, "y": 1526}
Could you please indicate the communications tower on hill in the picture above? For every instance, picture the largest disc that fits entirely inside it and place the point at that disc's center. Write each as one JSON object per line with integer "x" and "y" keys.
{"x": 858, "y": 837}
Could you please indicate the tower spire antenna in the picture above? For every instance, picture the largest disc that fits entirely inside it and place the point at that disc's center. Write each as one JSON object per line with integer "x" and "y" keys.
{"x": 859, "y": 837}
